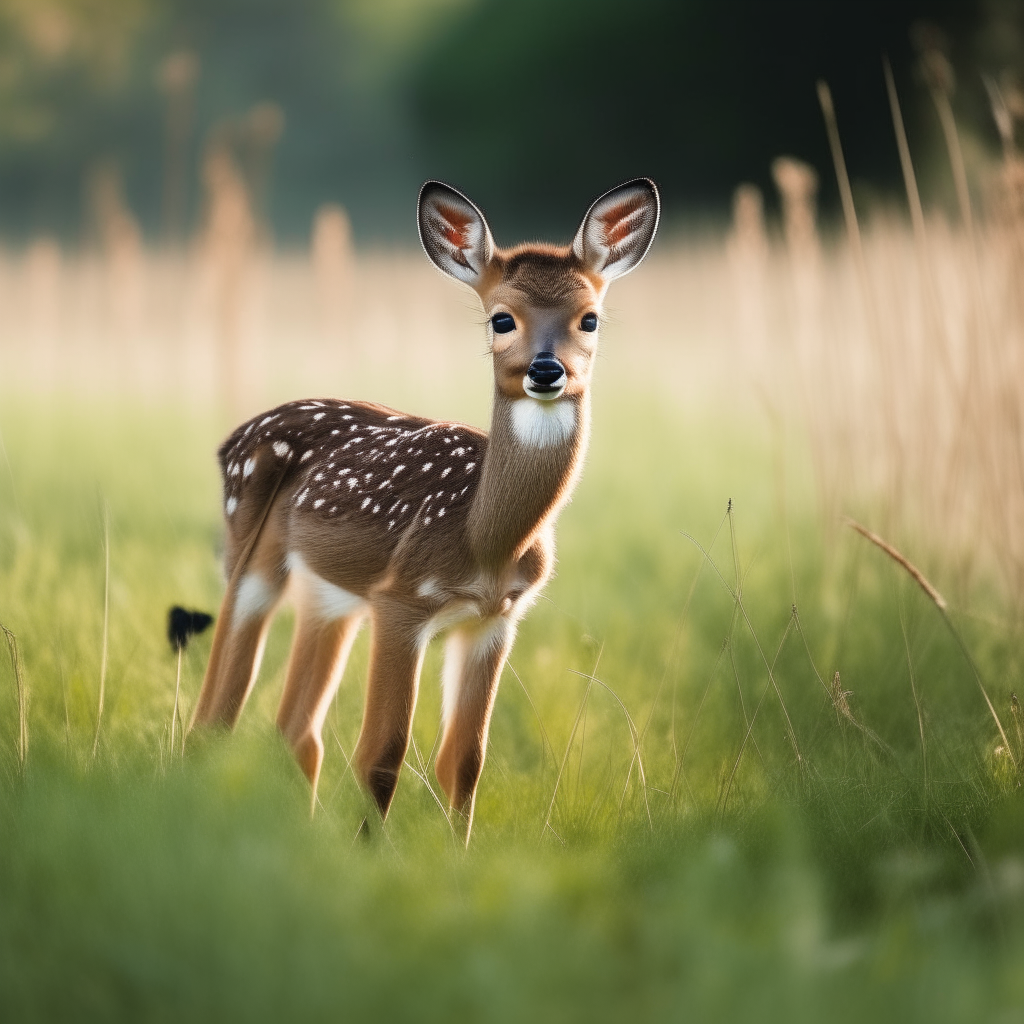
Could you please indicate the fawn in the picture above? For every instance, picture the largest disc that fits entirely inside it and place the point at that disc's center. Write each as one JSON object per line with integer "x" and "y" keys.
{"x": 422, "y": 525}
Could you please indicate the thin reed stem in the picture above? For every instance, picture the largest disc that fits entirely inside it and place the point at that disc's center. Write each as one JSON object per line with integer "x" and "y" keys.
{"x": 842, "y": 177}
{"x": 790, "y": 731}
{"x": 19, "y": 683}
{"x": 750, "y": 728}
{"x": 177, "y": 690}
{"x": 106, "y": 626}
{"x": 917, "y": 699}
{"x": 568, "y": 746}
{"x": 956, "y": 156}
{"x": 856, "y": 245}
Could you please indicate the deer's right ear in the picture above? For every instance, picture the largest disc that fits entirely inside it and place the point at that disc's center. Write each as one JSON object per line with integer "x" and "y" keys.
{"x": 454, "y": 233}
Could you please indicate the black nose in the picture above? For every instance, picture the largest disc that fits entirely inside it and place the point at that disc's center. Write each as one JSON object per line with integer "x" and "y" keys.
{"x": 544, "y": 371}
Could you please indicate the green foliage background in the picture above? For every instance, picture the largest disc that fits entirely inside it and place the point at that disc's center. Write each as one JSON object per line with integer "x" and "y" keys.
{"x": 531, "y": 107}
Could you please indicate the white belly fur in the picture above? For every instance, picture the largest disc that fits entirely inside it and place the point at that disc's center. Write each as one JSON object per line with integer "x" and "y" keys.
{"x": 316, "y": 596}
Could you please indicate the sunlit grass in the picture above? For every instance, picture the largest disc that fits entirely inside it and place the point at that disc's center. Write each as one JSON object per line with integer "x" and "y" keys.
{"x": 829, "y": 867}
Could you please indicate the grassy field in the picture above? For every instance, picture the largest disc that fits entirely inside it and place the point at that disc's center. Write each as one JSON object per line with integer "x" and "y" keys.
{"x": 665, "y": 829}
{"x": 742, "y": 767}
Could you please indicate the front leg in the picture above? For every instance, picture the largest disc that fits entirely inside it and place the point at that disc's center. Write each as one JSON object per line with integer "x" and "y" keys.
{"x": 396, "y": 656}
{"x": 474, "y": 657}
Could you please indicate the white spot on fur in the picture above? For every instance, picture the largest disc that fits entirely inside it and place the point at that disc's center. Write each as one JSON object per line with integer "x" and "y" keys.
{"x": 250, "y": 465}
{"x": 318, "y": 502}
{"x": 445, "y": 471}
{"x": 302, "y": 497}
{"x": 230, "y": 505}
{"x": 542, "y": 424}
{"x": 319, "y": 415}
{"x": 306, "y": 455}
{"x": 281, "y": 449}
{"x": 253, "y": 597}
{"x": 429, "y": 588}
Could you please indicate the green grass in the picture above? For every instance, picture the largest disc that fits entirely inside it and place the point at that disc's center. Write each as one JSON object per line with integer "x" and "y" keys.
{"x": 839, "y": 870}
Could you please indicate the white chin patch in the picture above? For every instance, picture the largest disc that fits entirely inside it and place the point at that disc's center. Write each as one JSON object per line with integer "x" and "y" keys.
{"x": 545, "y": 396}
{"x": 540, "y": 424}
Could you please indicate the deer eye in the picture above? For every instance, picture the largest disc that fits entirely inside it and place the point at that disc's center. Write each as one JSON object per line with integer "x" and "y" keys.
{"x": 589, "y": 322}
{"x": 502, "y": 323}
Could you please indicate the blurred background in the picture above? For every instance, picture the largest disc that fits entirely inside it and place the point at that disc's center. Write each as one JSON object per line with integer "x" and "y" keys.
{"x": 208, "y": 207}
{"x": 214, "y": 202}
{"x": 531, "y": 107}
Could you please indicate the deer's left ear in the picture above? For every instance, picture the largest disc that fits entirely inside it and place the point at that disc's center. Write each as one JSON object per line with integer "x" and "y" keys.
{"x": 454, "y": 233}
{"x": 618, "y": 229}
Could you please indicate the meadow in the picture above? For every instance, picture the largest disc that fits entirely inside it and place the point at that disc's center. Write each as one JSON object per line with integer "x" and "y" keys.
{"x": 743, "y": 766}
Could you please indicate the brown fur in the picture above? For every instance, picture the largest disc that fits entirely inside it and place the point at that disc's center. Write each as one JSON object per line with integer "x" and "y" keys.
{"x": 420, "y": 525}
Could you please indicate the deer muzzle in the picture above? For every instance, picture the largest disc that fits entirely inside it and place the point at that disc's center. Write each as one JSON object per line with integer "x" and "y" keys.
{"x": 546, "y": 377}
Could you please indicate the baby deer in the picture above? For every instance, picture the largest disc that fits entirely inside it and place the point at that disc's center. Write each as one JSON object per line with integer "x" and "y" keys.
{"x": 423, "y": 525}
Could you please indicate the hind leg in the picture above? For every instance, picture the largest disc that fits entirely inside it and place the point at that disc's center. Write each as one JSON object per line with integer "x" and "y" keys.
{"x": 319, "y": 653}
{"x": 239, "y": 637}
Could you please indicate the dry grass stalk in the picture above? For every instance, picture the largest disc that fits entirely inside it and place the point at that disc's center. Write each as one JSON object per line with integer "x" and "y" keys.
{"x": 883, "y": 350}
{"x": 333, "y": 263}
{"x": 120, "y": 241}
{"x": 230, "y": 235}
{"x": 260, "y": 133}
{"x": 915, "y": 574}
{"x": 177, "y": 76}
{"x": 19, "y": 682}
{"x": 839, "y": 701}
{"x": 940, "y": 602}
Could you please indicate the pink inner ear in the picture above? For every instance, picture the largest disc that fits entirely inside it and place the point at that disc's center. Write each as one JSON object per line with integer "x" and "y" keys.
{"x": 456, "y": 224}
{"x": 617, "y": 221}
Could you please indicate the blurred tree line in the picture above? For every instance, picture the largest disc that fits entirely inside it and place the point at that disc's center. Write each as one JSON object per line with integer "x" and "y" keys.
{"x": 533, "y": 106}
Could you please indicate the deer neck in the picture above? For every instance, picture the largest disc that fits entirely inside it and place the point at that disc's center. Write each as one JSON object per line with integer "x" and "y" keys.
{"x": 534, "y": 454}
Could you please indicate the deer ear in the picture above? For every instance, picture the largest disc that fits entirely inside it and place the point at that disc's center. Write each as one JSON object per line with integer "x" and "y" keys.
{"x": 454, "y": 233}
{"x": 618, "y": 229}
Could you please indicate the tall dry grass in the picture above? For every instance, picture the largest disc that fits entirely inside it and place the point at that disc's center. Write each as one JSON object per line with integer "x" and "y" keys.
{"x": 896, "y": 345}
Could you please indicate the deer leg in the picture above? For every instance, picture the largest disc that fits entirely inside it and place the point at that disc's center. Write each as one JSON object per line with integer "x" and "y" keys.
{"x": 319, "y": 653}
{"x": 474, "y": 657}
{"x": 238, "y": 642}
{"x": 396, "y": 656}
